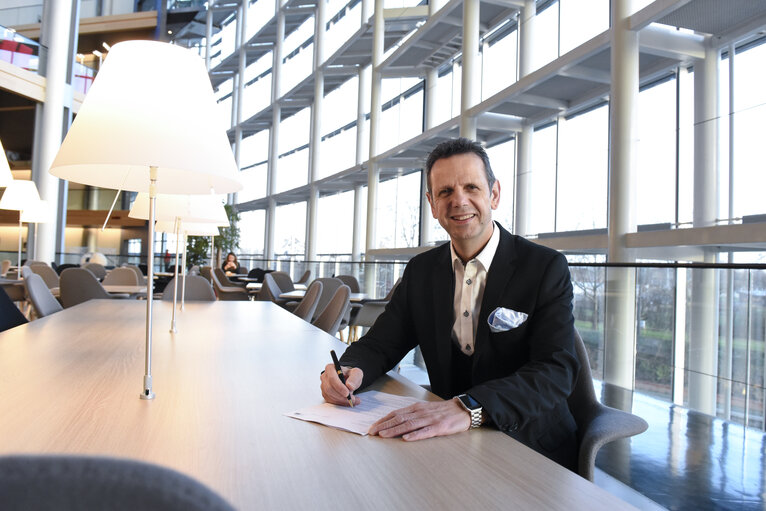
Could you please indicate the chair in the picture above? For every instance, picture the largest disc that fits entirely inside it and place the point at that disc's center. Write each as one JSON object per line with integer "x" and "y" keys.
{"x": 283, "y": 280}
{"x": 10, "y": 315}
{"x": 369, "y": 312}
{"x": 48, "y": 274}
{"x": 96, "y": 269}
{"x": 304, "y": 278}
{"x": 4, "y": 267}
{"x": 308, "y": 305}
{"x": 68, "y": 482}
{"x": 231, "y": 293}
{"x": 40, "y": 295}
{"x": 205, "y": 272}
{"x": 331, "y": 317}
{"x": 121, "y": 277}
{"x": 597, "y": 424}
{"x": 61, "y": 267}
{"x": 197, "y": 290}
{"x": 269, "y": 291}
{"x": 225, "y": 280}
{"x": 79, "y": 285}
{"x": 351, "y": 282}
{"x": 138, "y": 272}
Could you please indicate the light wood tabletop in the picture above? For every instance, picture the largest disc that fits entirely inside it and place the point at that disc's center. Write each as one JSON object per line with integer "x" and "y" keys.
{"x": 70, "y": 383}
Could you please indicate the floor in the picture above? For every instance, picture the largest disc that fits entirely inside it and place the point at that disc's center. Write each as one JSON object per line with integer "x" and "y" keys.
{"x": 684, "y": 461}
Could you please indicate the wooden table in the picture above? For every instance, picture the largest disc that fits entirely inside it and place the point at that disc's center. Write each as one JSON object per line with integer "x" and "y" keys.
{"x": 69, "y": 383}
{"x": 112, "y": 289}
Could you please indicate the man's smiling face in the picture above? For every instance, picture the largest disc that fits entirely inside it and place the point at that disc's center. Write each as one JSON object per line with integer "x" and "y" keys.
{"x": 462, "y": 201}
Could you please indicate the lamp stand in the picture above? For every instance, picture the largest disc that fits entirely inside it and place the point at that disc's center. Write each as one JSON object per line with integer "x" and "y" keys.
{"x": 173, "y": 328}
{"x": 18, "y": 268}
{"x": 147, "y": 393}
{"x": 212, "y": 251}
{"x": 183, "y": 277}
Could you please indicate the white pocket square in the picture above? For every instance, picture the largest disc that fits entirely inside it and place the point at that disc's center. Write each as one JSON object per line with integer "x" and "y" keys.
{"x": 502, "y": 319}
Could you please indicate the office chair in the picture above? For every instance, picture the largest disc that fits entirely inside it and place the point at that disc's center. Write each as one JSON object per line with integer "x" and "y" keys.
{"x": 121, "y": 277}
{"x": 79, "y": 285}
{"x": 331, "y": 317}
{"x": 307, "y": 306}
{"x": 40, "y": 295}
{"x": 198, "y": 289}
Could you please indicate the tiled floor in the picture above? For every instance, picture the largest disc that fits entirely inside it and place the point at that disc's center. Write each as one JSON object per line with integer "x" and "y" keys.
{"x": 690, "y": 461}
{"x": 684, "y": 461}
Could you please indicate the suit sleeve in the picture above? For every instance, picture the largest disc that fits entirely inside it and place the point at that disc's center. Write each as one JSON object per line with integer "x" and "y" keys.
{"x": 547, "y": 378}
{"x": 388, "y": 340}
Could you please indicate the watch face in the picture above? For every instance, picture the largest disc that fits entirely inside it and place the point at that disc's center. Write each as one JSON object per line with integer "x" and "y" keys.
{"x": 469, "y": 402}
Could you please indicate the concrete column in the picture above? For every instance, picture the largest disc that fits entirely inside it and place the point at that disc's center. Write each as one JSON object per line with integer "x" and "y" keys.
{"x": 315, "y": 141}
{"x": 356, "y": 237}
{"x": 208, "y": 37}
{"x": 59, "y": 35}
{"x": 373, "y": 172}
{"x": 432, "y": 77}
{"x": 524, "y": 173}
{"x": 471, "y": 75}
{"x": 276, "y": 118}
{"x": 620, "y": 328}
{"x": 703, "y": 352}
{"x": 240, "y": 90}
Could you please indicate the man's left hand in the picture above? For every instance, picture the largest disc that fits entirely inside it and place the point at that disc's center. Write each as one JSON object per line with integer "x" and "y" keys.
{"x": 423, "y": 420}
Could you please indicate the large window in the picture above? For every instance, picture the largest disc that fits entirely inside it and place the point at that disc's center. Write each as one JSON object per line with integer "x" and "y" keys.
{"x": 252, "y": 232}
{"x": 290, "y": 229}
{"x": 398, "y": 212}
{"x": 335, "y": 223}
{"x": 543, "y": 204}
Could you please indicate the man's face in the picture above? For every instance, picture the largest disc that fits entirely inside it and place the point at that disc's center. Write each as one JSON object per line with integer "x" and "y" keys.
{"x": 461, "y": 200}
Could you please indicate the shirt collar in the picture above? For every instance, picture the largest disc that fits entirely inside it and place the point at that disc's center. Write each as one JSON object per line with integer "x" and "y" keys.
{"x": 485, "y": 256}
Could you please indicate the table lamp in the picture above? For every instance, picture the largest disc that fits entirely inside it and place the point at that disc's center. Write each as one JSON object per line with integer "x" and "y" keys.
{"x": 178, "y": 208}
{"x": 149, "y": 124}
{"x": 39, "y": 212}
{"x": 18, "y": 196}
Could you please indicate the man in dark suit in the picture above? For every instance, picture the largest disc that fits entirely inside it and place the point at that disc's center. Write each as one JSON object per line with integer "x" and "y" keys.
{"x": 492, "y": 314}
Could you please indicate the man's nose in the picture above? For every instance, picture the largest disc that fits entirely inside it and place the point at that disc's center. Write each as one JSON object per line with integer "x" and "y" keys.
{"x": 459, "y": 199}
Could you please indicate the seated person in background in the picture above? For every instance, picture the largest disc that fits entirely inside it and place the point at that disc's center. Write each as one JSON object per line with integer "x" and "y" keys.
{"x": 230, "y": 265}
{"x": 492, "y": 313}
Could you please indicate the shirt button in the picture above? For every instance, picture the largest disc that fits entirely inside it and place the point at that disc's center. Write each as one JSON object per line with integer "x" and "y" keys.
{"x": 466, "y": 314}
{"x": 468, "y": 282}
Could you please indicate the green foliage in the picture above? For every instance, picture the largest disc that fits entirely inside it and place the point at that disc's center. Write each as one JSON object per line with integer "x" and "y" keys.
{"x": 198, "y": 247}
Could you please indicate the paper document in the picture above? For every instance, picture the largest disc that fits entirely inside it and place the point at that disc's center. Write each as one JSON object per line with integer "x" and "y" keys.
{"x": 358, "y": 419}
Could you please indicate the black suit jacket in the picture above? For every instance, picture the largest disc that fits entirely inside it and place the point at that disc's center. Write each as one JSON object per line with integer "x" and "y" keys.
{"x": 521, "y": 377}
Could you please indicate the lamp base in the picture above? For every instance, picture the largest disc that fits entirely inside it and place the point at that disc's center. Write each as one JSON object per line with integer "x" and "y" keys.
{"x": 147, "y": 394}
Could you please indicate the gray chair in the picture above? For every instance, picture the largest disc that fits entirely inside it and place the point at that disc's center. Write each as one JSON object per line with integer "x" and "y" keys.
{"x": 351, "y": 282}
{"x": 369, "y": 312}
{"x": 304, "y": 278}
{"x": 205, "y": 272}
{"x": 121, "y": 277}
{"x": 331, "y": 317}
{"x": 48, "y": 274}
{"x": 197, "y": 289}
{"x": 68, "y": 483}
{"x": 6, "y": 263}
{"x": 283, "y": 280}
{"x": 96, "y": 269}
{"x": 139, "y": 274}
{"x": 42, "y": 300}
{"x": 307, "y": 306}
{"x": 230, "y": 293}
{"x": 225, "y": 281}
{"x": 269, "y": 291}
{"x": 79, "y": 285}
{"x": 597, "y": 424}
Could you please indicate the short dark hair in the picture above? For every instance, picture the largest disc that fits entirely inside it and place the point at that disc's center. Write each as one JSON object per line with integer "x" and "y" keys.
{"x": 458, "y": 146}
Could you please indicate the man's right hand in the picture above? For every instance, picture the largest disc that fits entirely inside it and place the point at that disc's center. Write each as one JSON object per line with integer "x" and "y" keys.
{"x": 333, "y": 391}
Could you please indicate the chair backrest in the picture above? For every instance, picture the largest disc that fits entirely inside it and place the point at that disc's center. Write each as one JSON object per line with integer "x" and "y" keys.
{"x": 329, "y": 286}
{"x": 121, "y": 277}
{"x": 350, "y": 281}
{"x": 79, "y": 285}
{"x": 42, "y": 300}
{"x": 583, "y": 396}
{"x": 269, "y": 290}
{"x": 283, "y": 280}
{"x": 26, "y": 272}
{"x": 205, "y": 272}
{"x": 96, "y": 269}
{"x": 194, "y": 270}
{"x": 331, "y": 317}
{"x": 138, "y": 272}
{"x": 48, "y": 274}
{"x": 304, "y": 278}
{"x": 61, "y": 267}
{"x": 10, "y": 315}
{"x": 40, "y": 482}
{"x": 308, "y": 305}
{"x": 222, "y": 278}
{"x": 4, "y": 266}
{"x": 197, "y": 289}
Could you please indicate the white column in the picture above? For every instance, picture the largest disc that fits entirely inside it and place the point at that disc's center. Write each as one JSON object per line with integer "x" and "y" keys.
{"x": 524, "y": 173}
{"x": 432, "y": 77}
{"x": 471, "y": 75}
{"x": 59, "y": 34}
{"x": 240, "y": 91}
{"x": 703, "y": 352}
{"x": 315, "y": 141}
{"x": 373, "y": 173}
{"x": 620, "y": 328}
{"x": 208, "y": 37}
{"x": 356, "y": 237}
{"x": 276, "y": 117}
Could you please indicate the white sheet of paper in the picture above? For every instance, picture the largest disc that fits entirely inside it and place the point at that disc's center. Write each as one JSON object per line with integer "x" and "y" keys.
{"x": 358, "y": 419}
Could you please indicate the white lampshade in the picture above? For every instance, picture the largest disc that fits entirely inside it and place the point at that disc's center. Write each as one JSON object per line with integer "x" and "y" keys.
{"x": 189, "y": 228}
{"x": 150, "y": 105}
{"x": 20, "y": 195}
{"x": 189, "y": 208}
{"x": 5, "y": 170}
{"x": 38, "y": 212}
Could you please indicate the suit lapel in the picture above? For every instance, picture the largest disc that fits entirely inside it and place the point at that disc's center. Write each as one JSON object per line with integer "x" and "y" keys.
{"x": 500, "y": 272}
{"x": 443, "y": 284}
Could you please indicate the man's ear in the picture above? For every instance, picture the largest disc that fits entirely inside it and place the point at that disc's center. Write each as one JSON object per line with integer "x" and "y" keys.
{"x": 494, "y": 195}
{"x": 431, "y": 203}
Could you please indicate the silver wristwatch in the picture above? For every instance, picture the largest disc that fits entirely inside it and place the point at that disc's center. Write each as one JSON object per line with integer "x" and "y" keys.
{"x": 472, "y": 407}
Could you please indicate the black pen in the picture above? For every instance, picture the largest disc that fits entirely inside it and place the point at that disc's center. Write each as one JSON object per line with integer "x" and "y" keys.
{"x": 340, "y": 375}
